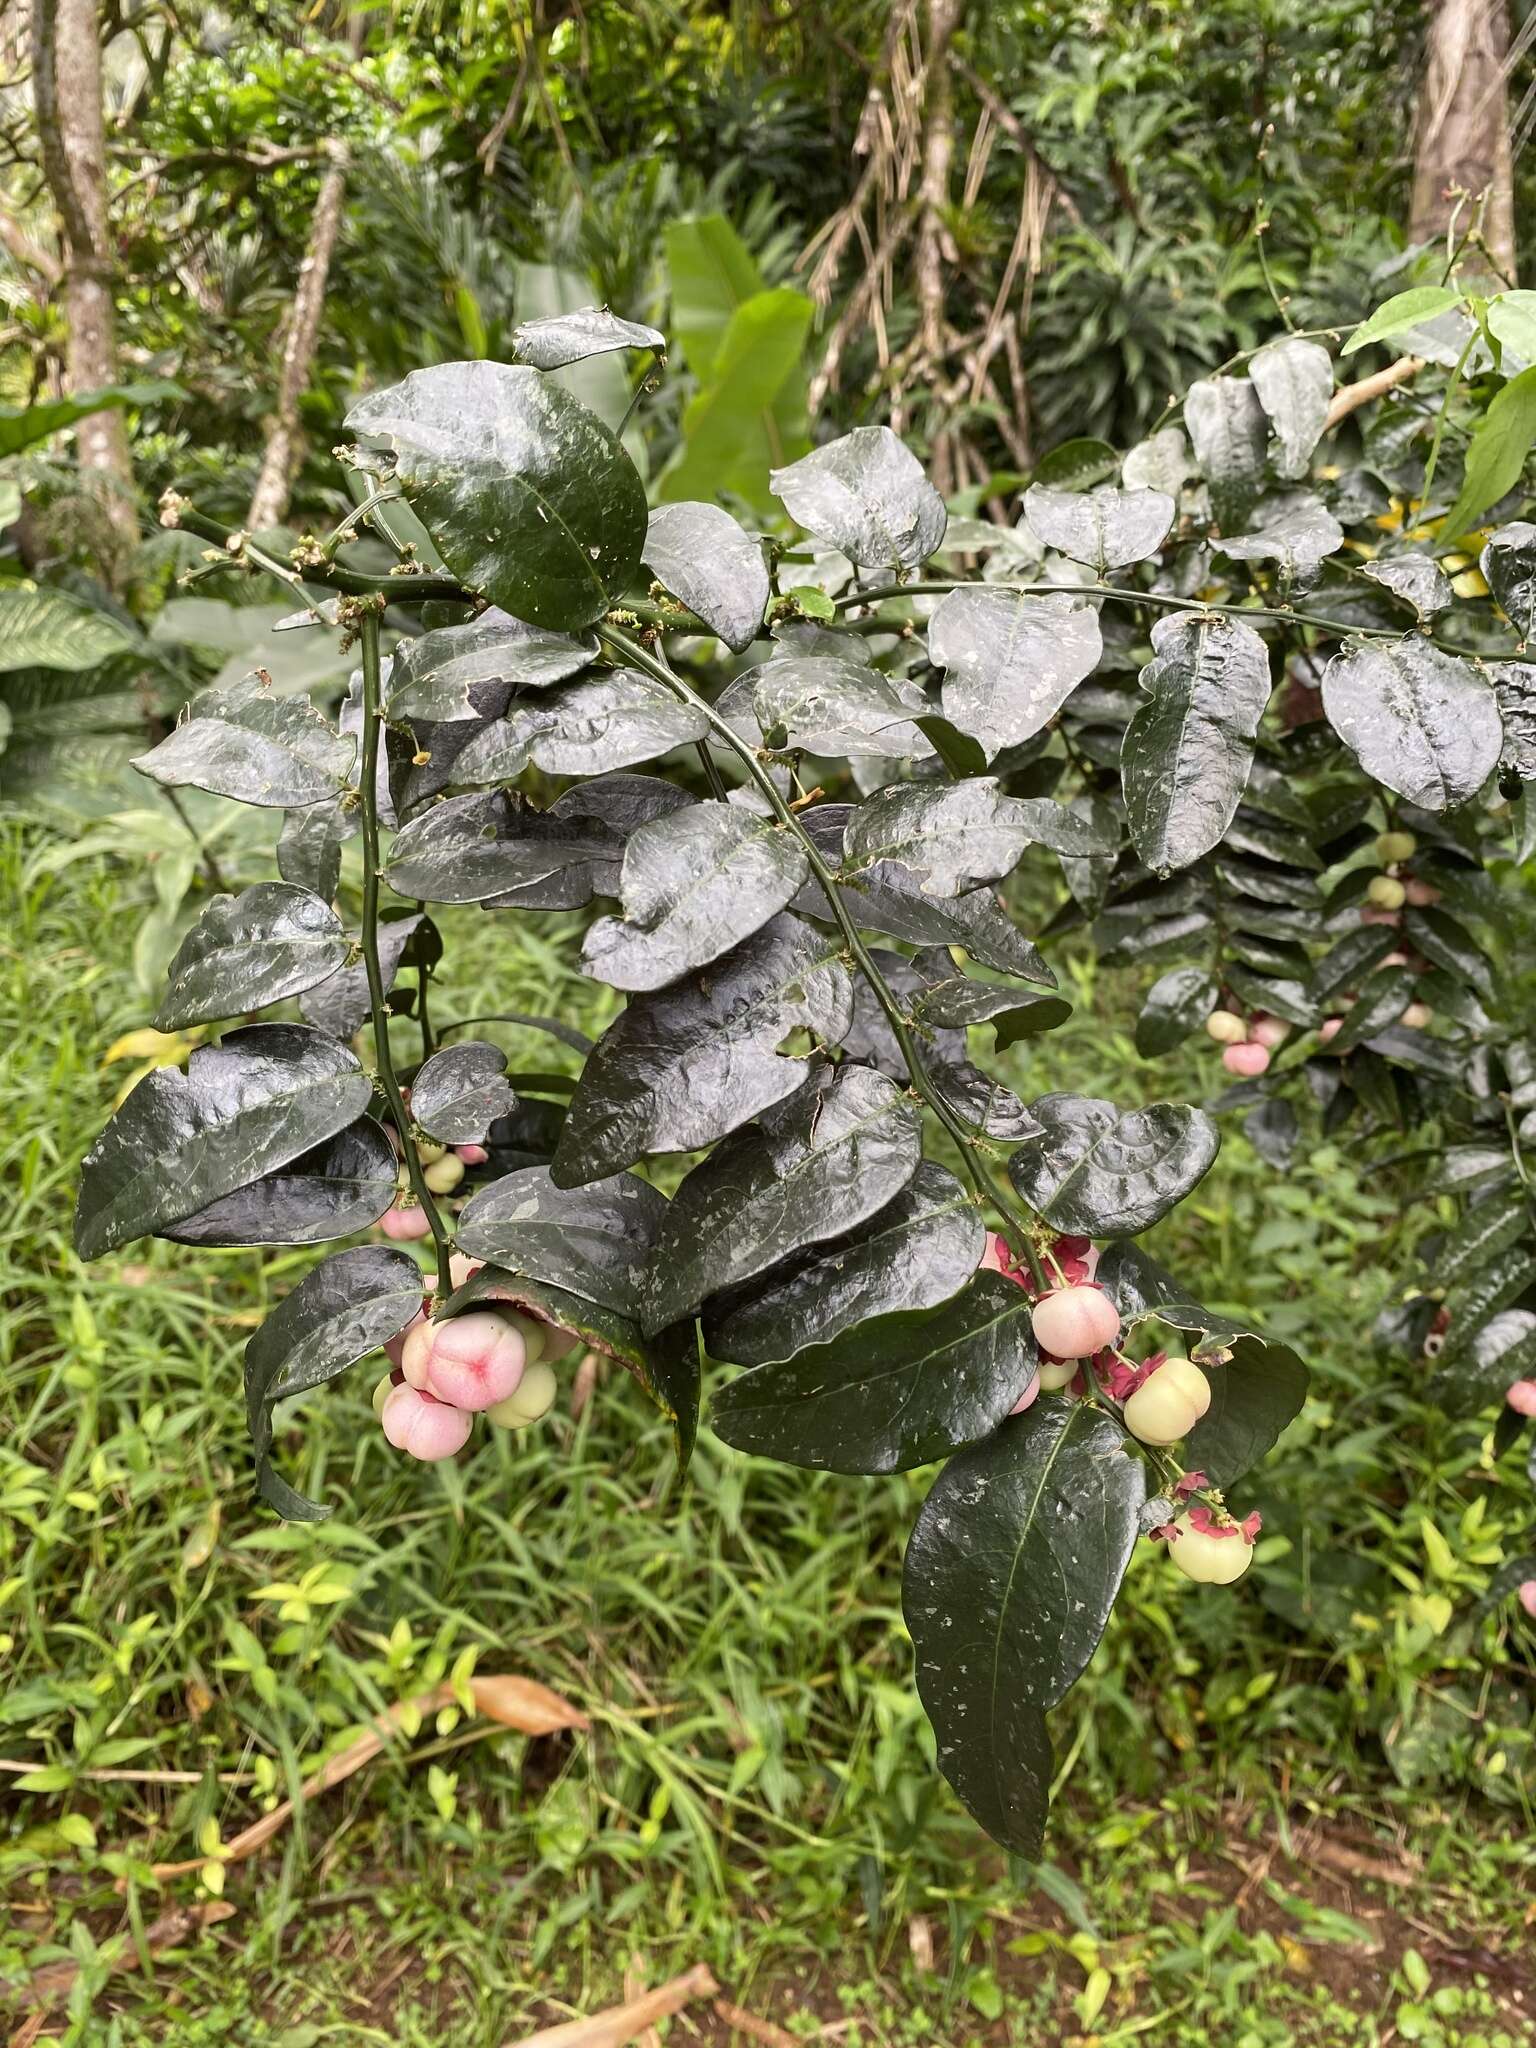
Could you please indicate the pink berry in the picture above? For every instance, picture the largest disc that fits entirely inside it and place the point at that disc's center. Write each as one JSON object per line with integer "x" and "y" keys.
{"x": 476, "y": 1360}
{"x": 1528, "y": 1597}
{"x": 1270, "y": 1032}
{"x": 1421, "y": 894}
{"x": 472, "y": 1155}
{"x": 1330, "y": 1028}
{"x": 1028, "y": 1398}
{"x": 1074, "y": 1322}
{"x": 403, "y": 1225}
{"x": 423, "y": 1427}
{"x": 394, "y": 1350}
{"x": 1378, "y": 916}
{"x": 1522, "y": 1397}
{"x": 1247, "y": 1060}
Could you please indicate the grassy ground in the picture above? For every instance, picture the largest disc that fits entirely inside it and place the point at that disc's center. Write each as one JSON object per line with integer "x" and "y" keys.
{"x": 1300, "y": 1812}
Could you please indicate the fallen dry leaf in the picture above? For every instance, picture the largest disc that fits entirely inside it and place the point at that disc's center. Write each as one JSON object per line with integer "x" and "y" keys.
{"x": 52, "y": 1986}
{"x": 619, "y": 2025}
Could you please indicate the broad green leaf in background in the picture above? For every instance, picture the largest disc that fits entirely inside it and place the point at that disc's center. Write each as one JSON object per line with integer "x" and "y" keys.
{"x": 751, "y": 416}
{"x": 24, "y": 426}
{"x": 1403, "y": 311}
{"x": 1496, "y": 455}
{"x": 46, "y": 628}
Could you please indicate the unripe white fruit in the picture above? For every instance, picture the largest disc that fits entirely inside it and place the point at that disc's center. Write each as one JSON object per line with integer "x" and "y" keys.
{"x": 1330, "y": 1028}
{"x": 1226, "y": 1027}
{"x": 428, "y": 1151}
{"x": 532, "y": 1399}
{"x": 1416, "y": 1017}
{"x": 444, "y": 1175}
{"x": 1395, "y": 846}
{"x": 1169, "y": 1404}
{"x": 1074, "y": 1322}
{"x": 1386, "y": 892}
{"x": 1210, "y": 1559}
{"x": 1056, "y": 1373}
{"x": 382, "y": 1392}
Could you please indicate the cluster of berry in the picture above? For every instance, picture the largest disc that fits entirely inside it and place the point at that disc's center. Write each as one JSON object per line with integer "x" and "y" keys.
{"x": 1077, "y": 1329}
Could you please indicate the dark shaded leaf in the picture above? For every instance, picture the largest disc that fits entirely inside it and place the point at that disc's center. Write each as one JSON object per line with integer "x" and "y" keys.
{"x": 1382, "y": 1000}
{"x": 340, "y": 1187}
{"x": 919, "y": 1250}
{"x": 953, "y": 1002}
{"x": 693, "y": 885}
{"x": 309, "y": 847}
{"x": 1421, "y": 721}
{"x": 1345, "y": 965}
{"x": 596, "y": 725}
{"x": 866, "y": 494}
{"x": 531, "y": 500}
{"x": 563, "y": 338}
{"x": 1011, "y": 660}
{"x": 1295, "y": 529}
{"x": 889, "y": 1394}
{"x": 586, "y": 832}
{"x": 814, "y": 1167}
{"x": 1274, "y": 1132}
{"x": 592, "y": 1241}
{"x": 460, "y": 1091}
{"x": 346, "y": 1308}
{"x": 340, "y": 1004}
{"x": 1189, "y": 747}
{"x": 1177, "y": 1003}
{"x": 690, "y": 1063}
{"x": 1508, "y": 563}
{"x": 249, "y": 950}
{"x": 180, "y": 1141}
{"x": 1486, "y": 1230}
{"x": 986, "y": 1105}
{"x": 1447, "y": 942}
{"x": 1012, "y": 1569}
{"x": 464, "y": 672}
{"x": 247, "y": 743}
{"x": 1100, "y": 1172}
{"x": 1106, "y": 528}
{"x": 713, "y": 567}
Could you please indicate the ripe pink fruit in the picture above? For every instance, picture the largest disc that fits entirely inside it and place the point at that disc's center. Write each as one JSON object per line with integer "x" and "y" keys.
{"x": 1422, "y": 895}
{"x": 1247, "y": 1060}
{"x": 1270, "y": 1032}
{"x": 394, "y": 1350}
{"x": 472, "y": 1155}
{"x": 1226, "y": 1027}
{"x": 403, "y": 1225}
{"x": 1330, "y": 1028}
{"x": 1028, "y": 1398}
{"x": 423, "y": 1427}
{"x": 1527, "y": 1593}
{"x": 1522, "y": 1397}
{"x": 1074, "y": 1322}
{"x": 472, "y": 1361}
{"x": 461, "y": 1267}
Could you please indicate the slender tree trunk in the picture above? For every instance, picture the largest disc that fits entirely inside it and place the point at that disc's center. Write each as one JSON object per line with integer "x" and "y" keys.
{"x": 269, "y": 500}
{"x": 66, "y": 62}
{"x": 1461, "y": 146}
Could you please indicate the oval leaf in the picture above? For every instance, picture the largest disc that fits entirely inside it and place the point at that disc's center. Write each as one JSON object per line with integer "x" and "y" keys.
{"x": 250, "y": 744}
{"x": 460, "y": 1091}
{"x": 564, "y": 338}
{"x": 464, "y": 672}
{"x": 592, "y": 1241}
{"x": 1421, "y": 721}
{"x": 340, "y": 1187}
{"x": 600, "y": 723}
{"x": 249, "y": 950}
{"x": 1099, "y": 1172}
{"x": 1011, "y": 660}
{"x": 1106, "y": 528}
{"x": 866, "y": 494}
{"x": 711, "y": 565}
{"x": 1294, "y": 380}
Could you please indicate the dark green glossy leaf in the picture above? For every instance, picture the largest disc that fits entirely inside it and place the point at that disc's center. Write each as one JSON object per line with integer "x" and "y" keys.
{"x": 249, "y": 950}
{"x": 814, "y": 1167}
{"x": 1188, "y": 749}
{"x": 1229, "y": 432}
{"x": 953, "y": 1002}
{"x": 583, "y": 836}
{"x": 1287, "y": 999}
{"x": 563, "y": 338}
{"x": 340, "y": 1187}
{"x": 1273, "y": 1129}
{"x": 1447, "y": 942}
{"x": 954, "y": 835}
{"x": 345, "y": 1309}
{"x": 613, "y": 719}
{"x": 960, "y": 754}
{"x": 1101, "y": 1172}
{"x": 247, "y": 743}
{"x": 866, "y": 494}
{"x": 460, "y": 1091}
{"x": 1294, "y": 381}
{"x": 692, "y": 1062}
{"x": 693, "y": 885}
{"x": 1421, "y": 721}
{"x": 919, "y": 1250}
{"x": 309, "y": 847}
{"x": 181, "y": 1141}
{"x": 593, "y": 1241}
{"x": 1348, "y": 963}
{"x": 1011, "y": 660}
{"x": 886, "y": 899}
{"x": 830, "y": 706}
{"x": 1492, "y": 1287}
{"x": 1487, "y": 1229}
{"x": 1383, "y": 998}
{"x": 530, "y": 499}
{"x": 1012, "y": 1569}
{"x": 1177, "y": 1003}
{"x": 1508, "y": 563}
{"x": 1400, "y": 313}
{"x": 1106, "y": 528}
{"x": 340, "y": 1004}
{"x": 464, "y": 672}
{"x": 713, "y": 567}
{"x": 889, "y": 1394}
{"x": 472, "y": 847}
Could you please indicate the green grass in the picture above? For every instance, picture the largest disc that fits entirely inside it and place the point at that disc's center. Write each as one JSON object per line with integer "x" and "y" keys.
{"x": 756, "y": 1790}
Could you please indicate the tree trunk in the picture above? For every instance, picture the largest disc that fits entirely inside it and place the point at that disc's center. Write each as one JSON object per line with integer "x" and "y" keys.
{"x": 66, "y": 61}
{"x": 1462, "y": 139}
{"x": 269, "y": 500}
